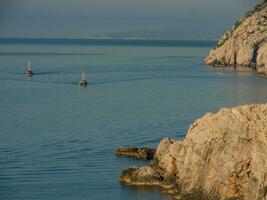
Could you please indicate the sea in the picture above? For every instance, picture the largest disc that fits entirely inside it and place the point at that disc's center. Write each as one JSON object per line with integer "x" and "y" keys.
{"x": 57, "y": 139}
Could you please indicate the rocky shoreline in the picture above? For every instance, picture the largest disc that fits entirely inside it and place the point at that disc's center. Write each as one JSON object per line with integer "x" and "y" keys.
{"x": 245, "y": 44}
{"x": 224, "y": 154}
{"x": 222, "y": 157}
{"x": 142, "y": 153}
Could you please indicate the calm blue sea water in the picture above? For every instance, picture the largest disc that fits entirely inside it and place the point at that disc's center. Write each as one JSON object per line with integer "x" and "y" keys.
{"x": 57, "y": 140}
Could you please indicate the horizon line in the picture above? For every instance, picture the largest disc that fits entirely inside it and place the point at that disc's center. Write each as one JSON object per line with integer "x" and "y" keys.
{"x": 110, "y": 38}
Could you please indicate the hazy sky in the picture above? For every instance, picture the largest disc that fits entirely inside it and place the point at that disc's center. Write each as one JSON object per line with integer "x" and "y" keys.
{"x": 190, "y": 19}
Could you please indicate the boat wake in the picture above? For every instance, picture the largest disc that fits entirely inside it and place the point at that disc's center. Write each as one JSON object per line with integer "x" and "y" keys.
{"x": 70, "y": 81}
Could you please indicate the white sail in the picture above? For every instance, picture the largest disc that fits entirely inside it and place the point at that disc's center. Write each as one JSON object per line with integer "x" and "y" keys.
{"x": 83, "y": 82}
{"x": 83, "y": 76}
{"x": 29, "y": 65}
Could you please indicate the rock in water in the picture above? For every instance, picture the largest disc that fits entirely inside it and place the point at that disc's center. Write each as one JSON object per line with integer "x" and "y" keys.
{"x": 224, "y": 156}
{"x": 245, "y": 44}
{"x": 139, "y": 153}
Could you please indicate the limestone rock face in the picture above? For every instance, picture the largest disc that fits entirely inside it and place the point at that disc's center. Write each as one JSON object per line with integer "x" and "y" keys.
{"x": 224, "y": 156}
{"x": 138, "y": 153}
{"x": 245, "y": 44}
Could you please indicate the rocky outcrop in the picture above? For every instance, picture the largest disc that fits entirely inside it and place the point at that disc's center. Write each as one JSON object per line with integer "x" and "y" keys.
{"x": 139, "y": 153}
{"x": 224, "y": 156}
{"x": 245, "y": 44}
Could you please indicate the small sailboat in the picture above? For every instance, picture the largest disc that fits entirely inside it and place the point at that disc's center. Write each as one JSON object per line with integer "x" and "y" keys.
{"x": 83, "y": 82}
{"x": 29, "y": 70}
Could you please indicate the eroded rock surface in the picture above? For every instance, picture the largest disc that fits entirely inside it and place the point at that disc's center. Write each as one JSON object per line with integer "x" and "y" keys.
{"x": 245, "y": 44}
{"x": 139, "y": 153}
{"x": 224, "y": 156}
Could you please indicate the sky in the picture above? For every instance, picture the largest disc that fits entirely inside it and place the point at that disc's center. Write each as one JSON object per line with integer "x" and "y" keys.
{"x": 168, "y": 19}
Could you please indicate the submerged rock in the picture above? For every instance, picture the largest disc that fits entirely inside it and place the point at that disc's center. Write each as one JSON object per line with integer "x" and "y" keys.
{"x": 146, "y": 175}
{"x": 139, "y": 153}
{"x": 245, "y": 44}
{"x": 224, "y": 156}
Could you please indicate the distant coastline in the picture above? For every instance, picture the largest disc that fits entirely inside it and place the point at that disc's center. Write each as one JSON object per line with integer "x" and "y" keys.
{"x": 119, "y": 38}
{"x": 110, "y": 41}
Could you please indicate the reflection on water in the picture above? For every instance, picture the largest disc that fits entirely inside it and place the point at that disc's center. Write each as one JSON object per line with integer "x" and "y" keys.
{"x": 250, "y": 88}
{"x": 141, "y": 192}
{"x": 57, "y": 140}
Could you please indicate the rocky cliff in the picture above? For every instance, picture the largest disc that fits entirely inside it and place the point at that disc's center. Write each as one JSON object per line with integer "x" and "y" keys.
{"x": 245, "y": 44}
{"x": 224, "y": 156}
